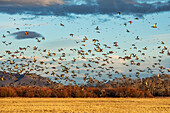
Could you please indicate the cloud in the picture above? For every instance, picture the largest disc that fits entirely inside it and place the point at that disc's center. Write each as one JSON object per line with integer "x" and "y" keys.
{"x": 31, "y": 18}
{"x": 22, "y": 35}
{"x": 131, "y": 7}
{"x": 67, "y": 7}
{"x": 29, "y": 2}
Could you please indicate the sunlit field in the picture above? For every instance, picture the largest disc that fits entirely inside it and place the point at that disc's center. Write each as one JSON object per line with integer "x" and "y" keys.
{"x": 84, "y": 56}
{"x": 88, "y": 105}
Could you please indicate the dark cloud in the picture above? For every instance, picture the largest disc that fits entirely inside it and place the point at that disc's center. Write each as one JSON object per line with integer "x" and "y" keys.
{"x": 110, "y": 7}
{"x": 29, "y": 2}
{"x": 31, "y": 18}
{"x": 22, "y": 35}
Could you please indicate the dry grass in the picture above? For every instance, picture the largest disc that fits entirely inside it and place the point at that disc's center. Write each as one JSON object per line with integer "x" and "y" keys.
{"x": 85, "y": 105}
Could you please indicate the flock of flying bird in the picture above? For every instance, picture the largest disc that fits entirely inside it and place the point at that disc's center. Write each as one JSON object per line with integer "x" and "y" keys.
{"x": 100, "y": 62}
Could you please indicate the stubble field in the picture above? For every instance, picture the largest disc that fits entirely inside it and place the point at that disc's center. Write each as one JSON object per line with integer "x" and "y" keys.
{"x": 85, "y": 105}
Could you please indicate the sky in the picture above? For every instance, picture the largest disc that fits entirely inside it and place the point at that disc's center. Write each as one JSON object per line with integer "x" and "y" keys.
{"x": 55, "y": 20}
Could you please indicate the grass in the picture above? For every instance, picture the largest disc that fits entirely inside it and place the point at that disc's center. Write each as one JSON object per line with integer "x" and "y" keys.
{"x": 85, "y": 105}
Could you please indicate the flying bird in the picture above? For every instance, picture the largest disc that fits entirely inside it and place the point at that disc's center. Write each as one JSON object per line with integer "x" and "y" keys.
{"x": 26, "y": 33}
{"x": 154, "y": 26}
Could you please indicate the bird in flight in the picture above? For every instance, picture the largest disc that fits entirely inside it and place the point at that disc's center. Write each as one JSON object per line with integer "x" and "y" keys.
{"x": 154, "y": 26}
{"x": 26, "y": 33}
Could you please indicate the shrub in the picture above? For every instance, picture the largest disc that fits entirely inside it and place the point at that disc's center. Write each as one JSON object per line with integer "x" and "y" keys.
{"x": 7, "y": 92}
{"x": 73, "y": 92}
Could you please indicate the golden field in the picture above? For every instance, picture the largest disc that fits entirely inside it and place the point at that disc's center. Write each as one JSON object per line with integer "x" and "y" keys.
{"x": 85, "y": 105}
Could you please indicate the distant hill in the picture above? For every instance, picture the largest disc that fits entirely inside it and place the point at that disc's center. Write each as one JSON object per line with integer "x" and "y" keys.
{"x": 15, "y": 80}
